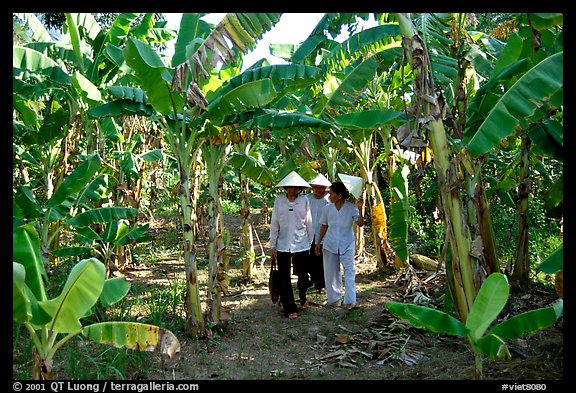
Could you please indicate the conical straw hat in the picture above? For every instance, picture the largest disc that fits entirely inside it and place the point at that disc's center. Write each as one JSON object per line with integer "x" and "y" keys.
{"x": 293, "y": 179}
{"x": 320, "y": 180}
{"x": 352, "y": 183}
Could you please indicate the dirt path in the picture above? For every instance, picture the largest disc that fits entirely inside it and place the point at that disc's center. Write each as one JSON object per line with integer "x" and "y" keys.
{"x": 260, "y": 343}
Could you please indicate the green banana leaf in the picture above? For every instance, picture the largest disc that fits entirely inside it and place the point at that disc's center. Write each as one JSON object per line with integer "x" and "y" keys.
{"x": 276, "y": 120}
{"x": 75, "y": 181}
{"x": 136, "y": 234}
{"x": 133, "y": 335}
{"x": 525, "y": 323}
{"x": 191, "y": 28}
{"x": 25, "y": 204}
{"x": 548, "y": 137}
{"x": 519, "y": 106}
{"x": 363, "y": 124}
{"x": 490, "y": 300}
{"x": 285, "y": 77}
{"x": 554, "y": 263}
{"x": 370, "y": 119}
{"x": 115, "y": 289}
{"x": 81, "y": 291}
{"x": 433, "y": 320}
{"x": 115, "y": 230}
{"x": 75, "y": 40}
{"x": 26, "y": 251}
{"x": 153, "y": 75}
{"x": 488, "y": 95}
{"x": 32, "y": 60}
{"x": 252, "y": 167}
{"x": 494, "y": 347}
{"x": 21, "y": 308}
{"x": 95, "y": 190}
{"x": 368, "y": 41}
{"x": 25, "y": 308}
{"x": 152, "y": 155}
{"x": 241, "y": 99}
{"x": 120, "y": 108}
{"x": 101, "y": 215}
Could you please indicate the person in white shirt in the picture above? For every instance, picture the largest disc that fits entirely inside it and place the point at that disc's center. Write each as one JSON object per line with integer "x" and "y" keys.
{"x": 338, "y": 245}
{"x": 318, "y": 199}
{"x": 291, "y": 233}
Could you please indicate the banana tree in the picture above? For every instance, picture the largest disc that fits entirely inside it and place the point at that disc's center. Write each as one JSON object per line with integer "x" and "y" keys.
{"x": 47, "y": 319}
{"x": 491, "y": 299}
{"x": 528, "y": 105}
{"x": 200, "y": 48}
{"x": 78, "y": 190}
{"x": 463, "y": 264}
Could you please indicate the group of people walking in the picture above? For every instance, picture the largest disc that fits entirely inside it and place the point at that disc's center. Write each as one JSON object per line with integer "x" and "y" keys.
{"x": 312, "y": 235}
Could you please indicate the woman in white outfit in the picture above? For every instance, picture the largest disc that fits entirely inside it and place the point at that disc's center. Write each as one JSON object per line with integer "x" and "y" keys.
{"x": 318, "y": 199}
{"x": 338, "y": 245}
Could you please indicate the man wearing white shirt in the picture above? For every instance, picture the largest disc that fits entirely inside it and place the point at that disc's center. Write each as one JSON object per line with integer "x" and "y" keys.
{"x": 318, "y": 199}
{"x": 291, "y": 234}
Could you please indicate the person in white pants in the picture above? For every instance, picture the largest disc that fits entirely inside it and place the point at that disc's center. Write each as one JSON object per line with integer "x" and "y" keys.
{"x": 338, "y": 245}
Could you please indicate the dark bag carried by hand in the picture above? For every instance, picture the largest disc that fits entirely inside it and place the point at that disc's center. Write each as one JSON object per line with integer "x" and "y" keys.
{"x": 273, "y": 282}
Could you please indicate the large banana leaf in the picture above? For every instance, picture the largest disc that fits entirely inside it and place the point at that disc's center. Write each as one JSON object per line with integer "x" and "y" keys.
{"x": 520, "y": 105}
{"x": 525, "y": 323}
{"x": 490, "y": 300}
{"x": 25, "y": 204}
{"x": 32, "y": 60}
{"x": 153, "y": 75}
{"x": 120, "y": 108}
{"x": 487, "y": 96}
{"x": 362, "y": 124}
{"x": 21, "y": 307}
{"x": 242, "y": 98}
{"x": 101, "y": 215}
{"x": 25, "y": 308}
{"x": 114, "y": 290}
{"x": 94, "y": 191}
{"x": 366, "y": 42}
{"x": 428, "y": 318}
{"x": 285, "y": 77}
{"x": 553, "y": 263}
{"x": 26, "y": 251}
{"x": 276, "y": 120}
{"x": 371, "y": 119}
{"x": 134, "y": 335}
{"x": 81, "y": 291}
{"x": 75, "y": 181}
{"x": 253, "y": 168}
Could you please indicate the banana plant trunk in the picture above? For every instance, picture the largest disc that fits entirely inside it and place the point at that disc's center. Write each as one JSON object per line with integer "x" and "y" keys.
{"x": 461, "y": 278}
{"x": 194, "y": 318}
{"x": 217, "y": 239}
{"x": 41, "y": 368}
{"x": 377, "y": 209}
{"x": 521, "y": 269}
{"x": 247, "y": 239}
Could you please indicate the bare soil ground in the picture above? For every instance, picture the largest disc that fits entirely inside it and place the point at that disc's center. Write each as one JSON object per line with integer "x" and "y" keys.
{"x": 260, "y": 343}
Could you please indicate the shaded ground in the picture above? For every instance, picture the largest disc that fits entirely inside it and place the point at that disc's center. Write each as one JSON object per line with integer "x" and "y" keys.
{"x": 259, "y": 343}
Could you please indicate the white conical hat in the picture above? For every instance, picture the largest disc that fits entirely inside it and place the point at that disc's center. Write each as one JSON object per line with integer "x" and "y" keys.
{"x": 293, "y": 179}
{"x": 352, "y": 183}
{"x": 320, "y": 180}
